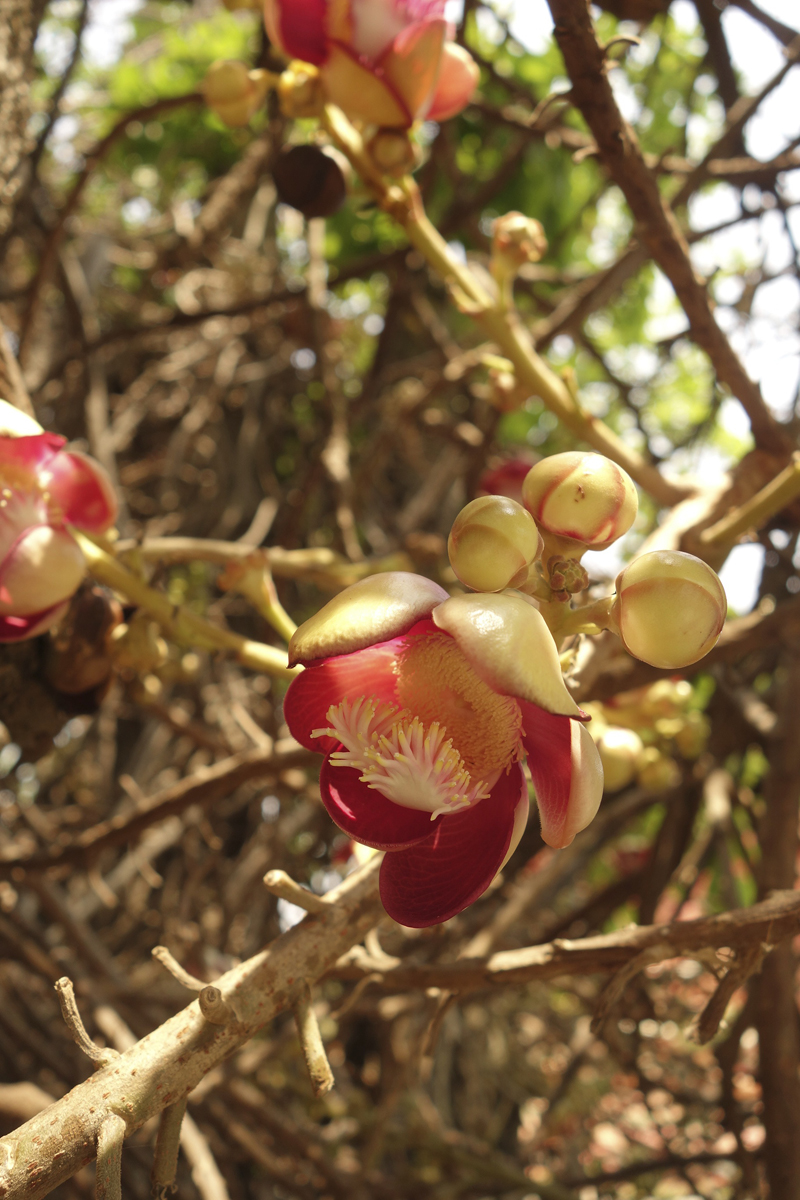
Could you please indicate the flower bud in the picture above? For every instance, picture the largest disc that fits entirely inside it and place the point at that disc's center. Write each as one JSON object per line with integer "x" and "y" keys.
{"x": 693, "y": 735}
{"x": 620, "y": 753}
{"x": 658, "y": 772}
{"x": 311, "y": 180}
{"x": 670, "y": 608}
{"x": 584, "y": 497}
{"x": 233, "y": 92}
{"x": 516, "y": 240}
{"x": 393, "y": 152}
{"x": 300, "y": 91}
{"x": 493, "y": 543}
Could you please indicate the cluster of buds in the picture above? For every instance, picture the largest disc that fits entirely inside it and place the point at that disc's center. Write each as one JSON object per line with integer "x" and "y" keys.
{"x": 234, "y": 92}
{"x": 640, "y": 734}
{"x": 669, "y": 607}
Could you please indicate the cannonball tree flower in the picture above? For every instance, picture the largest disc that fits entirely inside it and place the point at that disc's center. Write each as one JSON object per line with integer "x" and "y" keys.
{"x": 388, "y": 62}
{"x": 425, "y": 707}
{"x": 44, "y": 490}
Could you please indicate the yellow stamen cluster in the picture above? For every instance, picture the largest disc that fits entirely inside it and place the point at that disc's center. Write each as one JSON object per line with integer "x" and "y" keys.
{"x": 412, "y": 764}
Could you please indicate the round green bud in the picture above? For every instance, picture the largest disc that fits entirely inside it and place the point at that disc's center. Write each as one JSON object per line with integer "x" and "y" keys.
{"x": 670, "y": 608}
{"x": 586, "y": 497}
{"x": 493, "y": 543}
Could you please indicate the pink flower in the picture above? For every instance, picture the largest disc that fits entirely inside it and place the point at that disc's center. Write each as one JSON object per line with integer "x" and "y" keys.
{"x": 43, "y": 491}
{"x": 389, "y": 62}
{"x": 425, "y": 707}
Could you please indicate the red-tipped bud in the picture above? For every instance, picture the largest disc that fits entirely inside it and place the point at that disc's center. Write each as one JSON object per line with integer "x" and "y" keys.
{"x": 233, "y": 92}
{"x": 584, "y": 497}
{"x": 670, "y": 608}
{"x": 493, "y": 544}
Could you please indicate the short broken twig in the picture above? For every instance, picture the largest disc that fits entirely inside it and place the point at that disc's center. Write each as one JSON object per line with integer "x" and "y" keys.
{"x": 319, "y": 1069}
{"x": 99, "y": 1055}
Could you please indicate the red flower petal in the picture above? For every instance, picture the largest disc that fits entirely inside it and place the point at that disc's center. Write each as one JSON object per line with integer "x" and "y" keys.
{"x": 27, "y": 454}
{"x": 365, "y": 814}
{"x": 83, "y": 491}
{"x": 566, "y": 771}
{"x": 298, "y": 28}
{"x": 367, "y": 672}
{"x": 458, "y": 78}
{"x": 436, "y": 879}
{"x": 18, "y": 629}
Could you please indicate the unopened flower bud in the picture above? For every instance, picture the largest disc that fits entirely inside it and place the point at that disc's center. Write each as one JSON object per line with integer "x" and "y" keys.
{"x": 693, "y": 735}
{"x": 620, "y": 753}
{"x": 584, "y": 497}
{"x": 493, "y": 543}
{"x": 657, "y": 772}
{"x": 300, "y": 91}
{"x": 516, "y": 240}
{"x": 393, "y": 152}
{"x": 233, "y": 92}
{"x": 670, "y": 608}
{"x": 310, "y": 179}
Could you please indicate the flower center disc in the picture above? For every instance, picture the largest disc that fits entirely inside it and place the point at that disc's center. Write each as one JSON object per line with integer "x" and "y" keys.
{"x": 437, "y": 684}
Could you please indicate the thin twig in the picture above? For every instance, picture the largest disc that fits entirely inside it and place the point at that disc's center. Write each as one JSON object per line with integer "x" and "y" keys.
{"x": 99, "y": 1055}
{"x": 108, "y": 1180}
{"x": 319, "y": 1069}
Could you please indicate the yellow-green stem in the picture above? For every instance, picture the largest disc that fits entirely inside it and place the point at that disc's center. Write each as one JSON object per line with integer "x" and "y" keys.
{"x": 784, "y": 488}
{"x": 181, "y": 623}
{"x": 502, "y": 324}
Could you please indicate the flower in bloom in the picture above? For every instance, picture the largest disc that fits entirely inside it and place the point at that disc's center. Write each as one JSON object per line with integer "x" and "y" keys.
{"x": 44, "y": 490}
{"x": 389, "y": 62}
{"x": 425, "y": 707}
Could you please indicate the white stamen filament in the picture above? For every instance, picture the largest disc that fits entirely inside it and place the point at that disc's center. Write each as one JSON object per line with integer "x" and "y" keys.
{"x": 409, "y": 764}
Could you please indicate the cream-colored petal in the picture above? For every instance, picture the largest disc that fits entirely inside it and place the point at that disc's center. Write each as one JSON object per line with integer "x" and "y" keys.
{"x": 510, "y": 647}
{"x": 360, "y": 91}
{"x": 14, "y": 423}
{"x": 373, "y": 610}
{"x": 521, "y": 814}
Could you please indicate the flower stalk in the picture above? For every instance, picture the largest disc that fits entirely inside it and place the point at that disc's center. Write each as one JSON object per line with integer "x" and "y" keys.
{"x": 503, "y": 324}
{"x": 181, "y": 623}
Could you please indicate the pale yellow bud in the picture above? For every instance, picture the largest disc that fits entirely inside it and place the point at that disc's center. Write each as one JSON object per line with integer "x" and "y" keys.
{"x": 620, "y": 753}
{"x": 670, "y": 608}
{"x": 493, "y": 543}
{"x": 657, "y": 772}
{"x": 233, "y": 92}
{"x": 393, "y": 152}
{"x": 300, "y": 90}
{"x": 516, "y": 240}
{"x": 692, "y": 737}
{"x": 585, "y": 497}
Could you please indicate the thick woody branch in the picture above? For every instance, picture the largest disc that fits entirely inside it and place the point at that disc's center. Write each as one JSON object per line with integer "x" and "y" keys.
{"x": 657, "y": 227}
{"x": 771, "y": 921}
{"x": 166, "y": 1065}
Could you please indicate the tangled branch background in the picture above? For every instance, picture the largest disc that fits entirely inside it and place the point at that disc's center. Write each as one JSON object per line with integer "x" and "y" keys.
{"x": 228, "y": 294}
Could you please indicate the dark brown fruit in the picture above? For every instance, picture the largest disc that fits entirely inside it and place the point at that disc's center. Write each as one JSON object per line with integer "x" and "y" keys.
{"x": 310, "y": 180}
